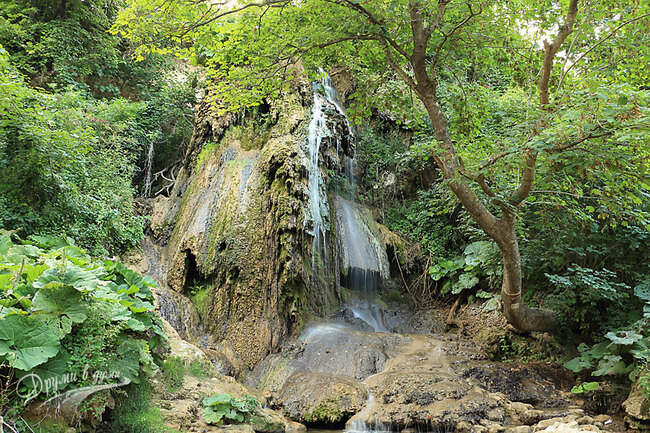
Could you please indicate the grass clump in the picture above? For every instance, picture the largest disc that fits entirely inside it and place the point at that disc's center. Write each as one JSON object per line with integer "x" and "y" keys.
{"x": 173, "y": 372}
{"x": 134, "y": 412}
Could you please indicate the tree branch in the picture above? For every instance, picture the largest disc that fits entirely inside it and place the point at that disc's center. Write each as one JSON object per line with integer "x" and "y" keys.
{"x": 520, "y": 194}
{"x": 550, "y": 49}
{"x": 397, "y": 68}
{"x": 598, "y": 43}
{"x": 446, "y": 36}
{"x": 577, "y": 142}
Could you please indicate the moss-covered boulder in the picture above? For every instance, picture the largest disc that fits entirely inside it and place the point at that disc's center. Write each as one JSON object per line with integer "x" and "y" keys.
{"x": 320, "y": 398}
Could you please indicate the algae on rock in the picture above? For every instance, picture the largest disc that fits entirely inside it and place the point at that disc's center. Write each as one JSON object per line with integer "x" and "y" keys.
{"x": 234, "y": 225}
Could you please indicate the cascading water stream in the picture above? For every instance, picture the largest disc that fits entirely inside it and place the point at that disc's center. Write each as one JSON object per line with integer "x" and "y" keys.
{"x": 357, "y": 425}
{"x": 364, "y": 261}
{"x": 148, "y": 165}
{"x": 317, "y": 201}
{"x": 324, "y": 96}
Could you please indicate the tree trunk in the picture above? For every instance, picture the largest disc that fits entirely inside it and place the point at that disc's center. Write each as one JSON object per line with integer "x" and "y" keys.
{"x": 519, "y": 315}
{"x": 423, "y": 82}
{"x": 501, "y": 230}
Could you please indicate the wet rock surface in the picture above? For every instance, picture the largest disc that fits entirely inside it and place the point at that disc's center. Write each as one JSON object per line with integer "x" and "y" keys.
{"x": 422, "y": 381}
{"x": 534, "y": 383}
{"x": 419, "y": 387}
{"x": 321, "y": 398}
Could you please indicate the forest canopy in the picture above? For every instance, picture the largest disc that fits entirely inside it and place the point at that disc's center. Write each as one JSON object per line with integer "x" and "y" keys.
{"x": 576, "y": 133}
{"x": 503, "y": 148}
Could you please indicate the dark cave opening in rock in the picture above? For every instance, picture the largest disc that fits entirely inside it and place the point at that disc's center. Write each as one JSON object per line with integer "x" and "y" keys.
{"x": 193, "y": 276}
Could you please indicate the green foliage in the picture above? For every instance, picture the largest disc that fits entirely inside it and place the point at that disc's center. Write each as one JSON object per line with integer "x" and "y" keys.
{"x": 585, "y": 296}
{"x": 644, "y": 380}
{"x": 220, "y": 406}
{"x": 173, "y": 371}
{"x": 65, "y": 44}
{"x": 585, "y": 387}
{"x": 479, "y": 259}
{"x": 71, "y": 319}
{"x": 134, "y": 412}
{"x": 427, "y": 219}
{"x": 622, "y": 352}
{"x": 62, "y": 170}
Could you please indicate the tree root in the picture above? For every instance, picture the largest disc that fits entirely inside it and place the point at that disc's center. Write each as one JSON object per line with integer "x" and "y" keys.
{"x": 450, "y": 317}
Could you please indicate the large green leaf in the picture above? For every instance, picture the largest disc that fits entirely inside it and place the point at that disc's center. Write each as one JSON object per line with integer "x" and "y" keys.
{"x": 217, "y": 399}
{"x": 25, "y": 342}
{"x": 625, "y": 338}
{"x": 18, "y": 253}
{"x": 577, "y": 364}
{"x": 126, "y": 361}
{"x": 80, "y": 279}
{"x": 213, "y": 417}
{"x": 49, "y": 377}
{"x": 5, "y": 244}
{"x": 465, "y": 281}
{"x": 64, "y": 301}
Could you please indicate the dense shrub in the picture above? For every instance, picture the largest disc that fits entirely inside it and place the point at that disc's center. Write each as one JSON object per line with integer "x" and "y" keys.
{"x": 67, "y": 161}
{"x": 71, "y": 320}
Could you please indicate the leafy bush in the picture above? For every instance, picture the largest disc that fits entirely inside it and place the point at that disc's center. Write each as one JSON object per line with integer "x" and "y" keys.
{"x": 462, "y": 273}
{"x": 220, "y": 406}
{"x": 62, "y": 170}
{"x": 67, "y": 45}
{"x": 428, "y": 220}
{"x": 585, "y": 296}
{"x": 72, "y": 320}
{"x": 622, "y": 352}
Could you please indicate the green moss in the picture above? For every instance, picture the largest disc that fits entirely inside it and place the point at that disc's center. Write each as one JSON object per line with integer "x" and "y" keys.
{"x": 173, "y": 371}
{"x": 199, "y": 369}
{"x": 134, "y": 412}
{"x": 327, "y": 411}
{"x": 395, "y": 297}
{"x": 208, "y": 149}
{"x": 200, "y": 298}
{"x": 263, "y": 425}
{"x": 43, "y": 426}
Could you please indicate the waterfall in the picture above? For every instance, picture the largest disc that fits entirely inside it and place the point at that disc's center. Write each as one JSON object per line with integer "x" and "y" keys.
{"x": 357, "y": 425}
{"x": 317, "y": 198}
{"x": 324, "y": 97}
{"x": 362, "y": 257}
{"x": 148, "y": 165}
{"x": 363, "y": 260}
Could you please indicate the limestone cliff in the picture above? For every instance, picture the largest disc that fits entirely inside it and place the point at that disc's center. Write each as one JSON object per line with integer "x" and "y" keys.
{"x": 235, "y": 229}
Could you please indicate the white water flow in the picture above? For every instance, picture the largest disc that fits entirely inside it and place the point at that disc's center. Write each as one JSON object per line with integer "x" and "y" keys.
{"x": 324, "y": 96}
{"x": 365, "y": 260}
{"x": 148, "y": 165}
{"x": 357, "y": 425}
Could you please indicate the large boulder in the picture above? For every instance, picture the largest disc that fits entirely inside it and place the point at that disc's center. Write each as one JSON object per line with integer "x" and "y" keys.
{"x": 319, "y": 398}
{"x": 637, "y": 408}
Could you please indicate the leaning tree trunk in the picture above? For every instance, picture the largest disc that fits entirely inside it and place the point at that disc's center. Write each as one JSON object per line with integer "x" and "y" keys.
{"x": 501, "y": 230}
{"x": 423, "y": 82}
{"x": 519, "y": 315}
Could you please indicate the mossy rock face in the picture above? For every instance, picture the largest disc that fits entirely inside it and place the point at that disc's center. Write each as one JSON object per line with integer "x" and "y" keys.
{"x": 238, "y": 213}
{"x": 319, "y": 398}
{"x": 267, "y": 421}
